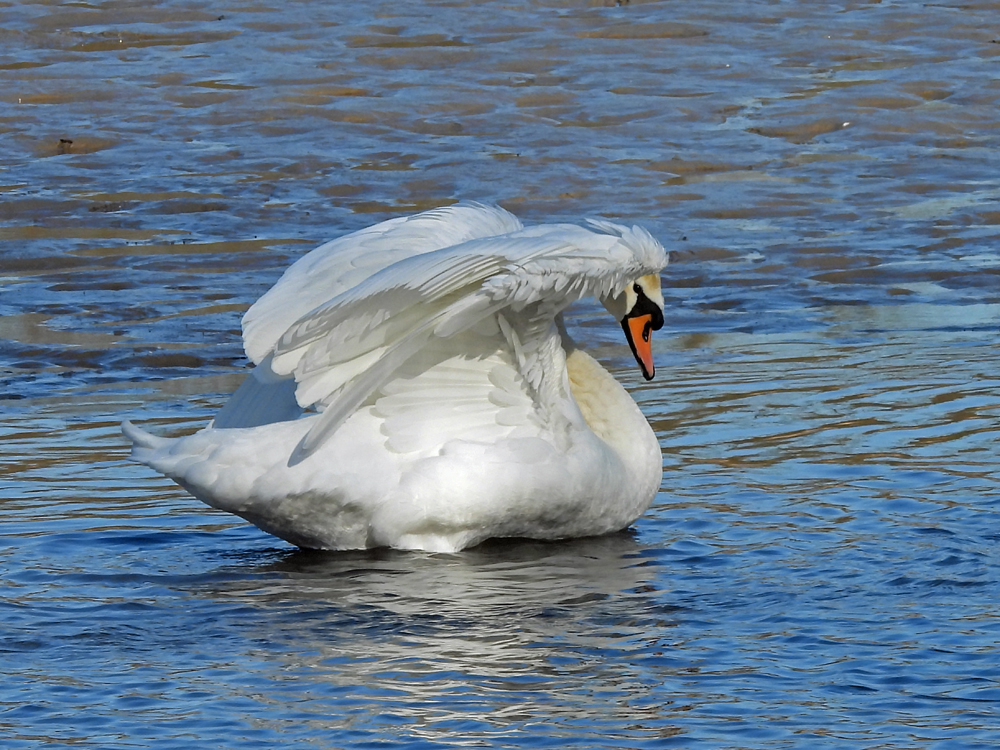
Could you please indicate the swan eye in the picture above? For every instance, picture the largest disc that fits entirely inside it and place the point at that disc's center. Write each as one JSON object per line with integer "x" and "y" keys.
{"x": 637, "y": 289}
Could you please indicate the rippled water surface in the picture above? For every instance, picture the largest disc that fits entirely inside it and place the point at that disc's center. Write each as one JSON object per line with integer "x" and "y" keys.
{"x": 821, "y": 567}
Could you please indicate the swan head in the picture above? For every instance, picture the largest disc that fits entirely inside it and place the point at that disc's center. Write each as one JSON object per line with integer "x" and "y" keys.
{"x": 639, "y": 308}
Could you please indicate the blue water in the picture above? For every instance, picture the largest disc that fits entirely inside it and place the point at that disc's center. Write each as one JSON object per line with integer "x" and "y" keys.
{"x": 820, "y": 569}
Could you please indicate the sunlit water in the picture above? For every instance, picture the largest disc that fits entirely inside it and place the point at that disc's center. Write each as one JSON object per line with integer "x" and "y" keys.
{"x": 821, "y": 568}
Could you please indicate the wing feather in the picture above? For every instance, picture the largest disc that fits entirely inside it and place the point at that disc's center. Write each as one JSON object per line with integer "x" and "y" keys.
{"x": 349, "y": 344}
{"x": 479, "y": 408}
{"x": 339, "y": 265}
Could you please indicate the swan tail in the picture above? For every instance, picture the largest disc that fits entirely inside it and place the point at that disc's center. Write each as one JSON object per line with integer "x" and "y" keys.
{"x": 142, "y": 439}
{"x": 152, "y": 450}
{"x": 186, "y": 460}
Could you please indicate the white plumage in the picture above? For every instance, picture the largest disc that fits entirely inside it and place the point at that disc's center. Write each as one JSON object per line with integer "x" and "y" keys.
{"x": 414, "y": 388}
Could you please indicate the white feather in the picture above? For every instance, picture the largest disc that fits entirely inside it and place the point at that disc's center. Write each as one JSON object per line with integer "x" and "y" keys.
{"x": 344, "y": 263}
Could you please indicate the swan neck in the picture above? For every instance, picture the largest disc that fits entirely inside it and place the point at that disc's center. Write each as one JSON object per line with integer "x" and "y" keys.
{"x": 611, "y": 413}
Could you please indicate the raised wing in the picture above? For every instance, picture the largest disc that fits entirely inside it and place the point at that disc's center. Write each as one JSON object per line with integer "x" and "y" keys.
{"x": 345, "y": 348}
{"x": 339, "y": 265}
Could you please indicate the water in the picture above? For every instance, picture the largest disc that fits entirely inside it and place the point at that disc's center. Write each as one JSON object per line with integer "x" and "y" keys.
{"x": 821, "y": 567}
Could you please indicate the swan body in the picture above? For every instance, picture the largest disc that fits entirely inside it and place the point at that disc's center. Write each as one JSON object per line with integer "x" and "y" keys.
{"x": 415, "y": 388}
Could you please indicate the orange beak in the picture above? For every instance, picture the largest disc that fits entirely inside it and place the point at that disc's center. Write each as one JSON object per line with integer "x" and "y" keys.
{"x": 637, "y": 333}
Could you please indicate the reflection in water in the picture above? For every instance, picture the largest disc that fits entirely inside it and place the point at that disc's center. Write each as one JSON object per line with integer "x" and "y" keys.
{"x": 820, "y": 568}
{"x": 500, "y": 637}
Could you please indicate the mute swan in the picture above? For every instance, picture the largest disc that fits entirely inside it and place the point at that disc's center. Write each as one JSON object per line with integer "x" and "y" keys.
{"x": 415, "y": 388}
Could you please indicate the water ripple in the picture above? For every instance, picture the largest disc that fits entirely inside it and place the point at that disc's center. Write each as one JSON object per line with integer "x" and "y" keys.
{"x": 820, "y": 567}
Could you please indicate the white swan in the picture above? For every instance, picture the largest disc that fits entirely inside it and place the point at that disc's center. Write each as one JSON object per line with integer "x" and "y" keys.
{"x": 415, "y": 388}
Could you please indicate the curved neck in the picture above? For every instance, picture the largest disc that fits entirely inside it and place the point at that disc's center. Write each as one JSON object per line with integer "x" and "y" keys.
{"x": 612, "y": 414}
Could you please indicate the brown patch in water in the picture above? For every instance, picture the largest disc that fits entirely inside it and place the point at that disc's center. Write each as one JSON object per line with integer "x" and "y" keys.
{"x": 113, "y": 41}
{"x": 341, "y": 191}
{"x": 677, "y": 197}
{"x": 754, "y": 212}
{"x": 983, "y": 217}
{"x": 70, "y": 144}
{"x": 388, "y": 162}
{"x": 545, "y": 98}
{"x": 111, "y": 207}
{"x": 395, "y": 42}
{"x": 800, "y": 132}
{"x": 707, "y": 253}
{"x": 661, "y": 30}
{"x": 82, "y": 233}
{"x": 175, "y": 359}
{"x": 886, "y": 102}
{"x": 679, "y": 166}
{"x": 31, "y": 328}
{"x": 188, "y": 207}
{"x": 377, "y": 207}
{"x": 129, "y": 196}
{"x": 221, "y": 85}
